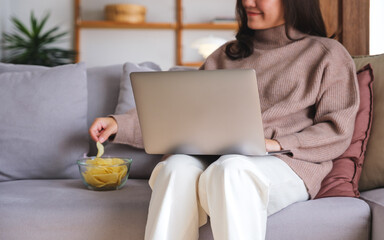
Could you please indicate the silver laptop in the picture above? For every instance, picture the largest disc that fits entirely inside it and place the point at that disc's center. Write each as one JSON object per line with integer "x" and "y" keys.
{"x": 200, "y": 112}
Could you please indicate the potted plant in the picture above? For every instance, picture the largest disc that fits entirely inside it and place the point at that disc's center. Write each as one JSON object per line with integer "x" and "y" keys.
{"x": 34, "y": 46}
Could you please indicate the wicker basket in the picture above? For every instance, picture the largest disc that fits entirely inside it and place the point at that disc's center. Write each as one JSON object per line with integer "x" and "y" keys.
{"x": 131, "y": 13}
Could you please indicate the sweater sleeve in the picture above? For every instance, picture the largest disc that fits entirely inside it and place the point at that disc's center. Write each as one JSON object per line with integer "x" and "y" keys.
{"x": 335, "y": 112}
{"x": 128, "y": 129}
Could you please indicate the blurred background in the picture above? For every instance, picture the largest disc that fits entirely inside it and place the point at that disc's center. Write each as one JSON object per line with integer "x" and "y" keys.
{"x": 105, "y": 46}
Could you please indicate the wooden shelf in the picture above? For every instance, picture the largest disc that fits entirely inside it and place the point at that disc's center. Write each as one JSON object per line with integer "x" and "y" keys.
{"x": 193, "y": 64}
{"x": 178, "y": 27}
{"x": 211, "y": 26}
{"x": 112, "y": 24}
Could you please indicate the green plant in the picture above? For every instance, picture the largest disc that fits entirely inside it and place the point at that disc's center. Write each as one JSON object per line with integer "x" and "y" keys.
{"x": 33, "y": 46}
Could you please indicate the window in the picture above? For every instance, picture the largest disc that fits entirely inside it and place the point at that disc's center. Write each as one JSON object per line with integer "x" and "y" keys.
{"x": 376, "y": 35}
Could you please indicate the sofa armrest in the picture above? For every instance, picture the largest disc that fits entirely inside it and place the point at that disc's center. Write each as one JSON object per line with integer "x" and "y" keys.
{"x": 375, "y": 199}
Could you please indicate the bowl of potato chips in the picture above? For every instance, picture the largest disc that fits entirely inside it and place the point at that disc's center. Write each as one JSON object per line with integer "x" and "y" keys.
{"x": 104, "y": 173}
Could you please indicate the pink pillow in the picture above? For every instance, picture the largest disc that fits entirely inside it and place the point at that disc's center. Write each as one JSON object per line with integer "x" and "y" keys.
{"x": 343, "y": 179}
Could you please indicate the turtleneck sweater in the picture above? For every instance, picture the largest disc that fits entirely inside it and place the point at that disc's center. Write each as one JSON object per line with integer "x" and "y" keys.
{"x": 308, "y": 96}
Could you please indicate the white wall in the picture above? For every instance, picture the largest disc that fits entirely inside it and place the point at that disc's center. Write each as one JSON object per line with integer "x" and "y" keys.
{"x": 112, "y": 46}
{"x": 376, "y": 28}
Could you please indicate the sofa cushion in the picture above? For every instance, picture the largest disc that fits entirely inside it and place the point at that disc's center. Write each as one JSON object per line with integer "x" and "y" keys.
{"x": 126, "y": 100}
{"x": 103, "y": 84}
{"x": 43, "y": 122}
{"x": 375, "y": 199}
{"x": 65, "y": 209}
{"x": 327, "y": 218}
{"x": 344, "y": 177}
{"x": 372, "y": 175}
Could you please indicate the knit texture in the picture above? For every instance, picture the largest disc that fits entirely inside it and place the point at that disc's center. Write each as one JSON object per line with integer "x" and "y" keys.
{"x": 308, "y": 95}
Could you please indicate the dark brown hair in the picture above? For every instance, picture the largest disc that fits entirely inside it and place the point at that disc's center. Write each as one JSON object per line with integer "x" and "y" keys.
{"x": 303, "y": 15}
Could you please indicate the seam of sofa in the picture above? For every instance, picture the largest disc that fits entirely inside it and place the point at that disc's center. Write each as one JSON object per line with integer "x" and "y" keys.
{"x": 372, "y": 201}
{"x": 369, "y": 228}
{"x": 369, "y": 202}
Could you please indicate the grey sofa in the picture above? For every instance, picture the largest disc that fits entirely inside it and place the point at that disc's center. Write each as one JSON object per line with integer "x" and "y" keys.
{"x": 46, "y": 207}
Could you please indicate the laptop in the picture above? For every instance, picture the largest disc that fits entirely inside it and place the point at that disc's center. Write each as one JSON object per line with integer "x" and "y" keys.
{"x": 210, "y": 112}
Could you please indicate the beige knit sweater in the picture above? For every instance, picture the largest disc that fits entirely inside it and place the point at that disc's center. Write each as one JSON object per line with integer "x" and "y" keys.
{"x": 308, "y": 93}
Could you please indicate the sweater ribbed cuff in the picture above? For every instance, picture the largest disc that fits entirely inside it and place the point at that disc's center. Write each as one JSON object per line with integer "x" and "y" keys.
{"x": 128, "y": 129}
{"x": 122, "y": 129}
{"x": 288, "y": 142}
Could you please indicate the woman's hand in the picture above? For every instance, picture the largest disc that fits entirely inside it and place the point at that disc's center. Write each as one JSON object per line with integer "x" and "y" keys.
{"x": 102, "y": 128}
{"x": 272, "y": 145}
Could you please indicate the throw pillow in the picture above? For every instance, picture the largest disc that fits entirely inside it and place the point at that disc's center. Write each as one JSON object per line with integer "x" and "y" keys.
{"x": 43, "y": 117}
{"x": 372, "y": 175}
{"x": 345, "y": 174}
{"x": 126, "y": 100}
{"x": 103, "y": 84}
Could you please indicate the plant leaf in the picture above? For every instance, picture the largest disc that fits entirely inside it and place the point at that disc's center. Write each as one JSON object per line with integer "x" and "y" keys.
{"x": 42, "y": 24}
{"x": 54, "y": 38}
{"x": 48, "y": 33}
{"x": 32, "y": 46}
{"x": 14, "y": 40}
{"x": 34, "y": 24}
{"x": 19, "y": 25}
{"x": 13, "y": 37}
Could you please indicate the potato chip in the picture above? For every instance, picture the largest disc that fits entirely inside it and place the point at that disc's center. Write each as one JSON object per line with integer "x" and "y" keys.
{"x": 100, "y": 149}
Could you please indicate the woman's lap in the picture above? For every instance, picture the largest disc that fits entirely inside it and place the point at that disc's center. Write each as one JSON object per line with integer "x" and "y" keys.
{"x": 285, "y": 187}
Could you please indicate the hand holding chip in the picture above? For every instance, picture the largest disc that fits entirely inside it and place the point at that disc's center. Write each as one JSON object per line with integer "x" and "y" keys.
{"x": 102, "y": 128}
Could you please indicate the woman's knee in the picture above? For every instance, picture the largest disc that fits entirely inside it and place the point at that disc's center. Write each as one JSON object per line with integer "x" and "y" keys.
{"x": 179, "y": 168}
{"x": 225, "y": 166}
{"x": 182, "y": 162}
{"x": 232, "y": 172}
{"x": 231, "y": 162}
{"x": 233, "y": 167}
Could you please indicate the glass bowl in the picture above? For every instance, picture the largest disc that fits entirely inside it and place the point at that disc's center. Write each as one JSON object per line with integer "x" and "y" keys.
{"x": 104, "y": 173}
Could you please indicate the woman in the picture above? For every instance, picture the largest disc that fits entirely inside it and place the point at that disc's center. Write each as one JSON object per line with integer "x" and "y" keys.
{"x": 309, "y": 99}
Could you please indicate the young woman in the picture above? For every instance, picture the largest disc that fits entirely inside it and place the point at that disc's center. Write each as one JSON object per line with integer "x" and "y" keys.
{"x": 309, "y": 99}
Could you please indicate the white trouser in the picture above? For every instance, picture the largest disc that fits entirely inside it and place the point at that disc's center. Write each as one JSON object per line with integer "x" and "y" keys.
{"x": 237, "y": 192}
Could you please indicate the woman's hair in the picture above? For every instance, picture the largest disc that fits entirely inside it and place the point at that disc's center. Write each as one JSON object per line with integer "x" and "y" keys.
{"x": 303, "y": 15}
